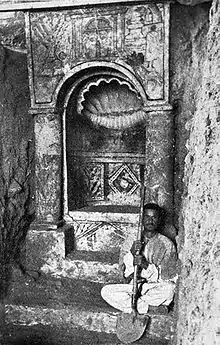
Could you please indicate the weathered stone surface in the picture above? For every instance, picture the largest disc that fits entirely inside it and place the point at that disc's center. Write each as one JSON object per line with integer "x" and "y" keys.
{"x": 161, "y": 326}
{"x": 192, "y": 2}
{"x": 199, "y": 304}
{"x": 79, "y": 269}
{"x": 48, "y": 167}
{"x": 12, "y": 31}
{"x": 135, "y": 37}
{"x": 45, "y": 252}
{"x": 71, "y": 303}
{"x": 188, "y": 43}
{"x": 44, "y": 248}
{"x": 159, "y": 162}
{"x": 47, "y": 335}
{"x": 16, "y": 158}
{"x": 41, "y": 4}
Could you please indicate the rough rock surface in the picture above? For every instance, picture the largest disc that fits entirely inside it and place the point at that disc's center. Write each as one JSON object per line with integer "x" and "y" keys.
{"x": 187, "y": 46}
{"x": 198, "y": 312}
{"x": 192, "y": 2}
{"x": 59, "y": 304}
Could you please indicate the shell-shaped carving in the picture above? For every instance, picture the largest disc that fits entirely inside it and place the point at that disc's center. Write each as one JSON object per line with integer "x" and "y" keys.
{"x": 111, "y": 103}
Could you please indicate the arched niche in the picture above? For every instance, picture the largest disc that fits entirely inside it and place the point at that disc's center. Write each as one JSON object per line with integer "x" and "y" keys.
{"x": 103, "y": 139}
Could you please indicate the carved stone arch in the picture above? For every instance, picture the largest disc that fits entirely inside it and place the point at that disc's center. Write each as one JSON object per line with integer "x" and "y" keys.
{"x": 95, "y": 24}
{"x": 90, "y": 69}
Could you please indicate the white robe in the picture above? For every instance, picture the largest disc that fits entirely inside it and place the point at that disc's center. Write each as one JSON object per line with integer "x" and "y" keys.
{"x": 159, "y": 289}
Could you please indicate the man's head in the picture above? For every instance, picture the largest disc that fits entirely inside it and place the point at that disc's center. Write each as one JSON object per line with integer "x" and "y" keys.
{"x": 151, "y": 217}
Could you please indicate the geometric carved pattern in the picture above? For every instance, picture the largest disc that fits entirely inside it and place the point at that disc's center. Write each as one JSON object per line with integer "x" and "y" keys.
{"x": 87, "y": 229}
{"x": 94, "y": 174}
{"x": 123, "y": 180}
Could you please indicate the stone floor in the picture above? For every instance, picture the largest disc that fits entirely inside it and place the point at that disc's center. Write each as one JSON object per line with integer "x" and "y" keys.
{"x": 52, "y": 311}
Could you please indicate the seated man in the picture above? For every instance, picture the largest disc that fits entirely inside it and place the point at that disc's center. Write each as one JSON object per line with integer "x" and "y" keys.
{"x": 157, "y": 274}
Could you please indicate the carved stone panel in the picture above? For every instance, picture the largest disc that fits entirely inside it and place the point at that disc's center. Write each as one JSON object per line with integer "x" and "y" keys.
{"x": 48, "y": 167}
{"x": 124, "y": 183}
{"x": 98, "y": 235}
{"x": 135, "y": 36}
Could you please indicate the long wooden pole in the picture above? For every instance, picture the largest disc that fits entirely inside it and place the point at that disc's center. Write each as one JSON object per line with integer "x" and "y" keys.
{"x": 139, "y": 233}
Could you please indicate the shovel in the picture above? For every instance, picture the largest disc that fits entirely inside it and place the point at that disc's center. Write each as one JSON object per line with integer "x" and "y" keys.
{"x": 131, "y": 326}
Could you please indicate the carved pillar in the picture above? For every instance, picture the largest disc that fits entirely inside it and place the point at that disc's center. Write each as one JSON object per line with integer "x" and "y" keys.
{"x": 48, "y": 160}
{"x": 159, "y": 161}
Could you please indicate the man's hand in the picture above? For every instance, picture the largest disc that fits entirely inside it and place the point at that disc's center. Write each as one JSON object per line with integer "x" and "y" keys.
{"x": 136, "y": 248}
{"x": 128, "y": 279}
{"x": 137, "y": 260}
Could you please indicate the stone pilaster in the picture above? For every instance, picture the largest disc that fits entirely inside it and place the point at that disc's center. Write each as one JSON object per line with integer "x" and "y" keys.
{"x": 48, "y": 162}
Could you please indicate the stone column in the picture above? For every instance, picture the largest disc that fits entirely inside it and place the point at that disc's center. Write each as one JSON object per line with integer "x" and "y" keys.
{"x": 48, "y": 162}
{"x": 45, "y": 243}
{"x": 159, "y": 162}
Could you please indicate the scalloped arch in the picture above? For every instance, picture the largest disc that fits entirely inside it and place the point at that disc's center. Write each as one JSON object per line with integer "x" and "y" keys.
{"x": 123, "y": 70}
{"x": 86, "y": 89}
{"x": 111, "y": 103}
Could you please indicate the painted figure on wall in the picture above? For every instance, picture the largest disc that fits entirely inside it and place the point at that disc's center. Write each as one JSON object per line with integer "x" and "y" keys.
{"x": 97, "y": 38}
{"x": 144, "y": 37}
{"x": 153, "y": 49}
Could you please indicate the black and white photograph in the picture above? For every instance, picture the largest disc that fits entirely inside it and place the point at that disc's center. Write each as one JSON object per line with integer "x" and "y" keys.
{"x": 109, "y": 172}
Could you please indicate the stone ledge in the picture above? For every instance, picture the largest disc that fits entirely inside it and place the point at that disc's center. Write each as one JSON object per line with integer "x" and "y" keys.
{"x": 107, "y": 216}
{"x": 104, "y": 257}
{"x": 161, "y": 327}
{"x": 94, "y": 271}
{"x": 44, "y": 335}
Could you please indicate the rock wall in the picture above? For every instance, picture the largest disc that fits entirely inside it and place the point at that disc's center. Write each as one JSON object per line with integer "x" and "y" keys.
{"x": 16, "y": 156}
{"x": 188, "y": 31}
{"x": 16, "y": 123}
{"x": 199, "y": 248}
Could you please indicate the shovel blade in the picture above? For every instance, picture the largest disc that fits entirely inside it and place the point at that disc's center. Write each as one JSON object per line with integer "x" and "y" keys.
{"x": 130, "y": 327}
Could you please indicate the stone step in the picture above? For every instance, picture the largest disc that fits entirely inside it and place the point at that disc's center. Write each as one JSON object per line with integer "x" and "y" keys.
{"x": 104, "y": 257}
{"x": 71, "y": 303}
{"x": 161, "y": 326}
{"x": 89, "y": 265}
{"x": 47, "y": 335}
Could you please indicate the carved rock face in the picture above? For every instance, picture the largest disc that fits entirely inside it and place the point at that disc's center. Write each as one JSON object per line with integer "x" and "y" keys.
{"x": 12, "y": 31}
{"x": 192, "y": 2}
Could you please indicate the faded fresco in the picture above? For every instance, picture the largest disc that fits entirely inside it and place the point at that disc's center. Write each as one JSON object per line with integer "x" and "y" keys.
{"x": 131, "y": 35}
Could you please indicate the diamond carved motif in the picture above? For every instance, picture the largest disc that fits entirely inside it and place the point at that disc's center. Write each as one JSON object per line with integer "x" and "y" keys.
{"x": 124, "y": 180}
{"x": 94, "y": 174}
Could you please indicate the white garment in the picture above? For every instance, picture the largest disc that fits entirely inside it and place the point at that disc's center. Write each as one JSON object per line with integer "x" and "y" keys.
{"x": 155, "y": 294}
{"x": 151, "y": 273}
{"x": 159, "y": 252}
